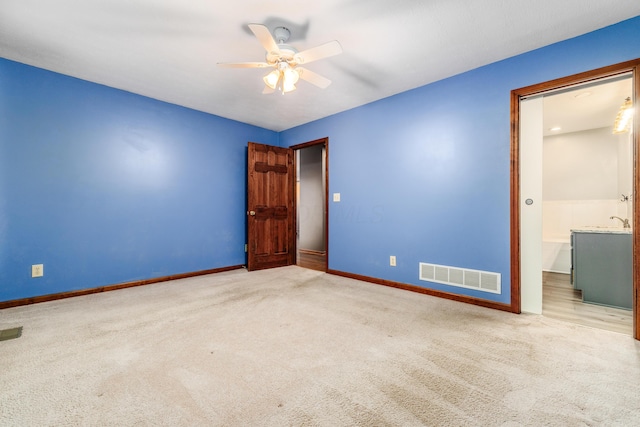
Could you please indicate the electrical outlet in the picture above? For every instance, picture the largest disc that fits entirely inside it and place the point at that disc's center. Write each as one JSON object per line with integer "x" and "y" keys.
{"x": 37, "y": 270}
{"x": 336, "y": 197}
{"x": 392, "y": 260}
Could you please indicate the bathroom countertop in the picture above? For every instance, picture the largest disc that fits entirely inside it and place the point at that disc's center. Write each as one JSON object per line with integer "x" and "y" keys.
{"x": 618, "y": 230}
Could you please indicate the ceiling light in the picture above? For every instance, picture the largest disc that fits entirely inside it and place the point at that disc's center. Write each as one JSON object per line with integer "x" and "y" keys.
{"x": 272, "y": 78}
{"x": 283, "y": 78}
{"x": 290, "y": 78}
{"x": 555, "y": 129}
{"x": 624, "y": 117}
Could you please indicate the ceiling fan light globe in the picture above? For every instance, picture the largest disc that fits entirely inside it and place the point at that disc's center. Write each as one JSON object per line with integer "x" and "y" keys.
{"x": 272, "y": 78}
{"x": 291, "y": 76}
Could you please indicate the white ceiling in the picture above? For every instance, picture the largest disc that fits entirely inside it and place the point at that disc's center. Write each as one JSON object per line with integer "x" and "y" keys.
{"x": 168, "y": 49}
{"x": 584, "y": 107}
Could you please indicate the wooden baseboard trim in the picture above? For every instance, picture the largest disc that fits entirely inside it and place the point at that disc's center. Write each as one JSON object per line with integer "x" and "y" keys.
{"x": 312, "y": 252}
{"x": 431, "y": 292}
{"x": 71, "y": 294}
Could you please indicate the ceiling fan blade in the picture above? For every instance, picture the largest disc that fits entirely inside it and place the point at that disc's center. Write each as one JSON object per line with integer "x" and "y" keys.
{"x": 243, "y": 64}
{"x": 267, "y": 90}
{"x": 265, "y": 38}
{"x": 319, "y": 52}
{"x": 313, "y": 78}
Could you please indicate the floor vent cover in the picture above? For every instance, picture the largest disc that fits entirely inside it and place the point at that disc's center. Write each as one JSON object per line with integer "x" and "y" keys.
{"x": 462, "y": 277}
{"x": 9, "y": 334}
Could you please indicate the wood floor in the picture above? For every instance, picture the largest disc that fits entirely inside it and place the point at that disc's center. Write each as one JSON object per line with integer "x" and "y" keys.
{"x": 313, "y": 260}
{"x": 560, "y": 301}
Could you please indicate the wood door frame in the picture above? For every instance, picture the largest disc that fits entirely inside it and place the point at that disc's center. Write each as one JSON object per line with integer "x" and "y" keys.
{"x": 322, "y": 141}
{"x": 632, "y": 67}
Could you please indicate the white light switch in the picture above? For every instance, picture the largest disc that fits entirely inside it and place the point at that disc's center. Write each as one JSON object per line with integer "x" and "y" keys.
{"x": 336, "y": 197}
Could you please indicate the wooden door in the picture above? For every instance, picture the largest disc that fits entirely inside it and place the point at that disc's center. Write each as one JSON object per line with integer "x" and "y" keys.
{"x": 271, "y": 207}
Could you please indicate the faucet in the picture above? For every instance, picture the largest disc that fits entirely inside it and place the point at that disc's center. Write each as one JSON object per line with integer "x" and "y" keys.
{"x": 625, "y": 222}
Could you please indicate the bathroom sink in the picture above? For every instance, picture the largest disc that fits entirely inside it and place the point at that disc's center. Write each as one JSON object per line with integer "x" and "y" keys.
{"x": 602, "y": 229}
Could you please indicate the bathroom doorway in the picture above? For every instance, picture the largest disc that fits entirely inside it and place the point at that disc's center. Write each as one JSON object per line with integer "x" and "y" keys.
{"x": 563, "y": 213}
{"x": 311, "y": 204}
{"x": 587, "y": 181}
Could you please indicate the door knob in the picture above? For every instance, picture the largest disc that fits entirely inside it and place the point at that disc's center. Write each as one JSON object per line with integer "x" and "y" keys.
{"x": 252, "y": 213}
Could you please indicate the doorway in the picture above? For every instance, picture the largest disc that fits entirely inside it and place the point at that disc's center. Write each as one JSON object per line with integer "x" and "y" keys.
{"x": 311, "y": 204}
{"x": 586, "y": 187}
{"x": 527, "y": 195}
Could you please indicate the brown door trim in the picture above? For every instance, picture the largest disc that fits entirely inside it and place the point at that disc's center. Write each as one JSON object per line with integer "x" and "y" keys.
{"x": 516, "y": 95}
{"x": 325, "y": 142}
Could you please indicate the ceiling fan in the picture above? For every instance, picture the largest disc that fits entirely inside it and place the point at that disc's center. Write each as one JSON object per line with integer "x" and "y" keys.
{"x": 286, "y": 60}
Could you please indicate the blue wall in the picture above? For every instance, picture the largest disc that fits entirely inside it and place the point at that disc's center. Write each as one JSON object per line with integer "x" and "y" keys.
{"x": 424, "y": 175}
{"x": 103, "y": 186}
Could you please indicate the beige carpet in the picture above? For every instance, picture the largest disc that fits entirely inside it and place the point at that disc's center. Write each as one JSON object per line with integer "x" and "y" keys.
{"x": 298, "y": 347}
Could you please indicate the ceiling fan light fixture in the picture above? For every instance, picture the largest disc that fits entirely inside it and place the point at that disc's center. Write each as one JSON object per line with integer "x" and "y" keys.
{"x": 285, "y": 60}
{"x": 272, "y": 78}
{"x": 291, "y": 77}
{"x": 283, "y": 79}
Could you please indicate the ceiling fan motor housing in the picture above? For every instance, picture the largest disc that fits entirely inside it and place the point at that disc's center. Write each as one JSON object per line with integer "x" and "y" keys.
{"x": 287, "y": 52}
{"x": 281, "y": 34}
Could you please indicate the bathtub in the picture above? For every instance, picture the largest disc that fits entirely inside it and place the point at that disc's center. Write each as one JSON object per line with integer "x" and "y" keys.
{"x": 556, "y": 255}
